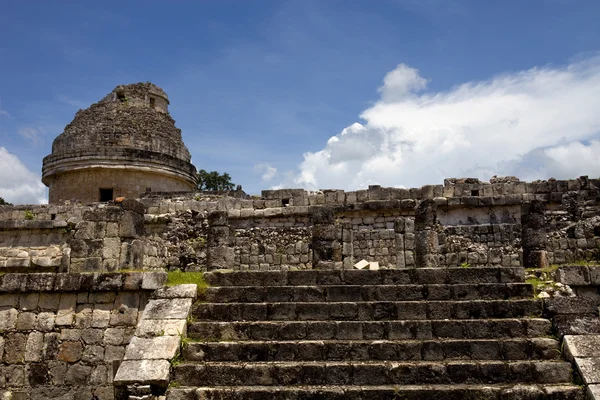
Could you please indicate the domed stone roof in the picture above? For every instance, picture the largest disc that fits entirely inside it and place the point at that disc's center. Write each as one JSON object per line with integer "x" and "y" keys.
{"x": 128, "y": 128}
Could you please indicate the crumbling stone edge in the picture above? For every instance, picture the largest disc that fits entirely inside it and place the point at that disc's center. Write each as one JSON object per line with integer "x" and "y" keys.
{"x": 583, "y": 351}
{"x": 145, "y": 370}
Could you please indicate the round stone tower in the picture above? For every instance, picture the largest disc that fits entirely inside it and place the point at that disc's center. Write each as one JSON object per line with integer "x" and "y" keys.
{"x": 124, "y": 145}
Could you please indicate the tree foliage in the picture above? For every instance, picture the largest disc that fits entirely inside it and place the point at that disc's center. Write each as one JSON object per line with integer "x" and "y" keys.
{"x": 4, "y": 202}
{"x": 214, "y": 181}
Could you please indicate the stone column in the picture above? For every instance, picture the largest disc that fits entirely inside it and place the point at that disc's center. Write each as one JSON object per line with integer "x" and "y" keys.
{"x": 426, "y": 240}
{"x": 533, "y": 234}
{"x": 325, "y": 245}
{"x": 400, "y": 230}
{"x": 219, "y": 251}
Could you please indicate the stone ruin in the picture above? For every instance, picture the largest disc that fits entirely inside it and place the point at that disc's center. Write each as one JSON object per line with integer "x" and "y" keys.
{"x": 124, "y": 145}
{"x": 483, "y": 290}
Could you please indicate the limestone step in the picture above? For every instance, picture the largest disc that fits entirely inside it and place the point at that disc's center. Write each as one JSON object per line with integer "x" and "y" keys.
{"x": 390, "y": 392}
{"x": 370, "y": 373}
{"x": 372, "y": 330}
{"x": 404, "y": 276}
{"x": 364, "y": 350}
{"x": 368, "y": 310}
{"x": 254, "y": 294}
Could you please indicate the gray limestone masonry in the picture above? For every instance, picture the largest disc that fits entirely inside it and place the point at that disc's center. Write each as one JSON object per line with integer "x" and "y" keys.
{"x": 82, "y": 295}
{"x": 65, "y": 334}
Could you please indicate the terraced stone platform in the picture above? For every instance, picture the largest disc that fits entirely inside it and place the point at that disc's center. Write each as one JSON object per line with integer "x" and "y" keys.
{"x": 457, "y": 333}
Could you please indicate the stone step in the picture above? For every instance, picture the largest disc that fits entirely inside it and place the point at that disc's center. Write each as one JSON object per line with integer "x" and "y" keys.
{"x": 392, "y": 350}
{"x": 254, "y": 294}
{"x": 404, "y": 276}
{"x": 370, "y": 373}
{"x": 390, "y": 392}
{"x": 372, "y": 330}
{"x": 368, "y": 311}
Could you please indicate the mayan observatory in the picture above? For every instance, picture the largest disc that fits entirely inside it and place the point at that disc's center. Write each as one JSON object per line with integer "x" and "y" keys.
{"x": 132, "y": 285}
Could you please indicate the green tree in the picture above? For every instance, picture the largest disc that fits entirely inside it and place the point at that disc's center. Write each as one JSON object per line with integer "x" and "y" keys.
{"x": 4, "y": 202}
{"x": 214, "y": 181}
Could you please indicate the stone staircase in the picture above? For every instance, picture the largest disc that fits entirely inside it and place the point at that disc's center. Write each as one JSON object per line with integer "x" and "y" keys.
{"x": 457, "y": 333}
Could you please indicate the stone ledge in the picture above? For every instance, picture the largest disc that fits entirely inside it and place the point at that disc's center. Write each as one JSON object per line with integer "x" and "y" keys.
{"x": 153, "y": 372}
{"x": 32, "y": 224}
{"x": 157, "y": 340}
{"x": 584, "y": 352}
{"x": 69, "y": 282}
{"x": 579, "y": 275}
{"x": 178, "y": 291}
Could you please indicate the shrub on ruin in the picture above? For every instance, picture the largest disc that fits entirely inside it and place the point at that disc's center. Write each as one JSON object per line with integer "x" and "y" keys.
{"x": 214, "y": 181}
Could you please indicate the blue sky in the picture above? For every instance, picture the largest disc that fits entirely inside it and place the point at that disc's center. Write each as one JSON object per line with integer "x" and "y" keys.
{"x": 316, "y": 94}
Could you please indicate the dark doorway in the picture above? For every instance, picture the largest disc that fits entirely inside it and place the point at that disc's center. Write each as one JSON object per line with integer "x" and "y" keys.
{"x": 106, "y": 194}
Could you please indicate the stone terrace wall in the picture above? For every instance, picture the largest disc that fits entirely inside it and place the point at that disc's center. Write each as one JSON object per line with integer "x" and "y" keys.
{"x": 478, "y": 223}
{"x": 76, "y": 238}
{"x": 63, "y": 336}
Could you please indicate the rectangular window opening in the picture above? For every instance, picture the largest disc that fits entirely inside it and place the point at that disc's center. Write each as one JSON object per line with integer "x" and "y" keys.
{"x": 106, "y": 195}
{"x": 152, "y": 102}
{"x": 475, "y": 192}
{"x": 285, "y": 202}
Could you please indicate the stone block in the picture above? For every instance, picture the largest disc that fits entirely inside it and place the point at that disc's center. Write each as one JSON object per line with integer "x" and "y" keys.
{"x": 41, "y": 281}
{"x": 581, "y": 346}
{"x": 66, "y": 309}
{"x": 34, "y": 346}
{"x": 8, "y": 319}
{"x": 167, "y": 309}
{"x": 593, "y": 392}
{"x": 14, "y": 348}
{"x": 144, "y": 372}
{"x": 70, "y": 351}
{"x": 177, "y": 291}
{"x": 157, "y": 327}
{"x": 589, "y": 369}
{"x": 111, "y": 248}
{"x": 153, "y": 280}
{"x": 77, "y": 374}
{"x": 158, "y": 347}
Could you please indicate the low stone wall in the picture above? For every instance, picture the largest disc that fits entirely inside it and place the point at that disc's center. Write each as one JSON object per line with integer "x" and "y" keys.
{"x": 64, "y": 335}
{"x": 267, "y": 248}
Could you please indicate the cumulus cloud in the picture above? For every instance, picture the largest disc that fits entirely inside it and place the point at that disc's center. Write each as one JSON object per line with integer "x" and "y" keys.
{"x": 266, "y": 171}
{"x": 18, "y": 184}
{"x": 535, "y": 124}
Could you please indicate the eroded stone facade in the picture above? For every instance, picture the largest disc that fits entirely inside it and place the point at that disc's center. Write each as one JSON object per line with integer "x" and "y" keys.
{"x": 124, "y": 145}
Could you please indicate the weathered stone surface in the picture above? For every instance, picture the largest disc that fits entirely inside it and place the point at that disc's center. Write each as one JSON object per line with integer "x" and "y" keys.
{"x": 589, "y": 368}
{"x": 143, "y": 371}
{"x": 581, "y": 346}
{"x": 177, "y": 291}
{"x": 34, "y": 346}
{"x": 167, "y": 309}
{"x": 158, "y": 327}
{"x": 153, "y": 280}
{"x": 159, "y": 347}
{"x": 70, "y": 351}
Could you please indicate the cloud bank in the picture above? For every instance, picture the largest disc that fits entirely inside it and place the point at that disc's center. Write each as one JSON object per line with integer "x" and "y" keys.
{"x": 535, "y": 124}
{"x": 19, "y": 185}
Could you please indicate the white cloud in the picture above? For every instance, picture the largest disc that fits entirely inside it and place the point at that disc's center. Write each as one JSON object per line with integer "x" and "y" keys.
{"x": 3, "y": 112}
{"x": 534, "y": 124}
{"x": 32, "y": 134}
{"x": 266, "y": 171}
{"x": 18, "y": 184}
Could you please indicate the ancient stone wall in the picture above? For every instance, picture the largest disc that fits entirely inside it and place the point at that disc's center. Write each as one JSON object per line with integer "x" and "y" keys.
{"x": 476, "y": 225}
{"x": 63, "y": 336}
